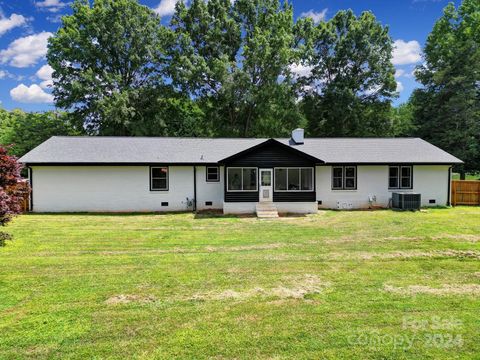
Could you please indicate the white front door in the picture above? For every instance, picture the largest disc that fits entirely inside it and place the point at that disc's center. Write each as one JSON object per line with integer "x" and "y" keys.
{"x": 266, "y": 185}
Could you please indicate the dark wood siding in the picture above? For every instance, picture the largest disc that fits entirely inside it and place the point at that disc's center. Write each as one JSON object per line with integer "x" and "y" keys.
{"x": 241, "y": 196}
{"x": 270, "y": 157}
{"x": 294, "y": 196}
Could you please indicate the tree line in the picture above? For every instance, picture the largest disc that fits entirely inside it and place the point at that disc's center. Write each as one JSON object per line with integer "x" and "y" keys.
{"x": 248, "y": 69}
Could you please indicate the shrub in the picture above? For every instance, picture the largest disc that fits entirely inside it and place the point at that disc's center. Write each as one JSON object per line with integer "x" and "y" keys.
{"x": 12, "y": 190}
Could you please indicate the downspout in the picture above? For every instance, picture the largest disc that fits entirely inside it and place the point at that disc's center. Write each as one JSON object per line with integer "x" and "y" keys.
{"x": 30, "y": 182}
{"x": 194, "y": 188}
{"x": 449, "y": 195}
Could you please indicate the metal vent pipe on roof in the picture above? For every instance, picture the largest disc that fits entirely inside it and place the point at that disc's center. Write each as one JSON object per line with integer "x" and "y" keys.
{"x": 298, "y": 136}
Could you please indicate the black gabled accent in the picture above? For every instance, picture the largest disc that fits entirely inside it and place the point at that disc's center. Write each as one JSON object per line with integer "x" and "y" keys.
{"x": 271, "y": 143}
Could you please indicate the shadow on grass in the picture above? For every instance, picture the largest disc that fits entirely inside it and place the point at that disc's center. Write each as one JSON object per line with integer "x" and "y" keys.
{"x": 218, "y": 214}
{"x": 292, "y": 215}
{"x": 211, "y": 214}
{"x": 107, "y": 213}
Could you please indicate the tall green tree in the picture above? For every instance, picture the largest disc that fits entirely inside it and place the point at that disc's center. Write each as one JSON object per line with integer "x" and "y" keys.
{"x": 108, "y": 60}
{"x": 23, "y": 131}
{"x": 350, "y": 83}
{"x": 401, "y": 118}
{"x": 447, "y": 107}
{"x": 234, "y": 60}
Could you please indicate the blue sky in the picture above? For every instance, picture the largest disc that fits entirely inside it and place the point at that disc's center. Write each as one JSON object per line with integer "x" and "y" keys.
{"x": 25, "y": 26}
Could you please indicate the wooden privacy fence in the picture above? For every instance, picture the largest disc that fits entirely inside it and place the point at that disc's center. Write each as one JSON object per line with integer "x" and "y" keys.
{"x": 465, "y": 192}
{"x": 26, "y": 204}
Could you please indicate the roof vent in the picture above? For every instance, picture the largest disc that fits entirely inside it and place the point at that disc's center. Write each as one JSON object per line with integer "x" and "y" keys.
{"x": 297, "y": 136}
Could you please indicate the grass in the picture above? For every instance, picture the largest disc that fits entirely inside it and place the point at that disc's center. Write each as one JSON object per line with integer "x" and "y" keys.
{"x": 470, "y": 176}
{"x": 359, "y": 284}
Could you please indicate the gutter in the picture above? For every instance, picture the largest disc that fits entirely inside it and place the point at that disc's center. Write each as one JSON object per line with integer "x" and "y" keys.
{"x": 449, "y": 194}
{"x": 30, "y": 182}
{"x": 194, "y": 189}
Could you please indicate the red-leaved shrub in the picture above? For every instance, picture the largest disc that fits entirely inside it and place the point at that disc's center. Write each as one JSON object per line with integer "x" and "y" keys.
{"x": 13, "y": 190}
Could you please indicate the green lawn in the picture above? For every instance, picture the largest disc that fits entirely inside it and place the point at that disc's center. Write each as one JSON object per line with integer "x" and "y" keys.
{"x": 476, "y": 176}
{"x": 359, "y": 284}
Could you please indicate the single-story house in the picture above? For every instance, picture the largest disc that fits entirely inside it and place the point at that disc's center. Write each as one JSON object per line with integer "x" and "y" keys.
{"x": 294, "y": 175}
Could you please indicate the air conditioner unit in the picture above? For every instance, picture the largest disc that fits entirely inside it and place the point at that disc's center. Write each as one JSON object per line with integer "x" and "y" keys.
{"x": 406, "y": 201}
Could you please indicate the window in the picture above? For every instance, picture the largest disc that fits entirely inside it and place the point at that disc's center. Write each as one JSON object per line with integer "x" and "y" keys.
{"x": 213, "y": 174}
{"x": 344, "y": 178}
{"x": 393, "y": 177}
{"x": 241, "y": 179}
{"x": 159, "y": 178}
{"x": 405, "y": 177}
{"x": 306, "y": 176}
{"x": 280, "y": 179}
{"x": 266, "y": 176}
{"x": 337, "y": 178}
{"x": 400, "y": 177}
{"x": 350, "y": 177}
{"x": 294, "y": 179}
{"x": 249, "y": 179}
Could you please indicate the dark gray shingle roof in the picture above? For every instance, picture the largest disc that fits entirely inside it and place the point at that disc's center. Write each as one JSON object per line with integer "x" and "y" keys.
{"x": 64, "y": 149}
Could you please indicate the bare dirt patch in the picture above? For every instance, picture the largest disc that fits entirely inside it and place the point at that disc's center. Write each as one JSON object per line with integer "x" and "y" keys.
{"x": 244, "y": 247}
{"x": 294, "y": 288}
{"x": 310, "y": 284}
{"x": 369, "y": 238}
{"x": 463, "y": 237}
{"x": 129, "y": 298}
{"x": 179, "y": 250}
{"x": 444, "y": 290}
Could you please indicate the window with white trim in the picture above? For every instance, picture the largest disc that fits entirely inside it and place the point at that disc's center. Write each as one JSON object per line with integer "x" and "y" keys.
{"x": 344, "y": 177}
{"x": 213, "y": 174}
{"x": 400, "y": 177}
{"x": 242, "y": 179}
{"x": 293, "y": 179}
{"x": 159, "y": 178}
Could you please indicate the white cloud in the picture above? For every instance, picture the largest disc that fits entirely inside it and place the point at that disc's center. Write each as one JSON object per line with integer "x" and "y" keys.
{"x": 13, "y": 21}
{"x": 399, "y": 73}
{"x": 30, "y": 94}
{"x": 45, "y": 74}
{"x": 315, "y": 16}
{"x": 26, "y": 51}
{"x": 166, "y": 7}
{"x": 399, "y": 87}
{"x": 406, "y": 52}
{"x": 50, "y": 5}
{"x": 55, "y": 18}
{"x": 4, "y": 74}
{"x": 301, "y": 70}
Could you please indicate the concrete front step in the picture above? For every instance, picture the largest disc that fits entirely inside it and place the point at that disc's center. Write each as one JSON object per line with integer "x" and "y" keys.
{"x": 266, "y": 210}
{"x": 267, "y": 213}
